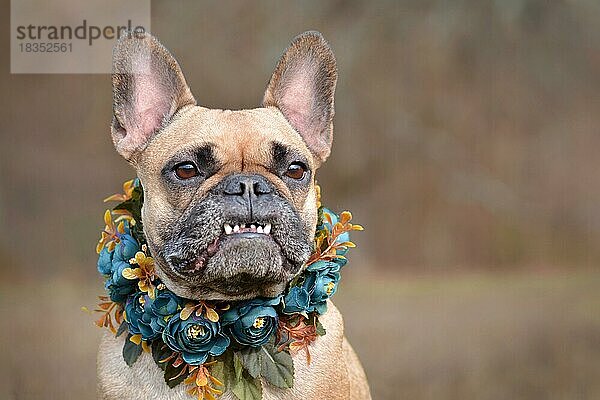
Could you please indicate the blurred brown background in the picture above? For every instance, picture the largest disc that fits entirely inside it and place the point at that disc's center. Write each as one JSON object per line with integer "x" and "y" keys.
{"x": 466, "y": 141}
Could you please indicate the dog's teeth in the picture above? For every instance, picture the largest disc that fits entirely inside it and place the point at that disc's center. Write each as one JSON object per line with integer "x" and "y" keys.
{"x": 228, "y": 229}
{"x": 259, "y": 229}
{"x": 253, "y": 227}
{"x": 236, "y": 228}
{"x": 267, "y": 229}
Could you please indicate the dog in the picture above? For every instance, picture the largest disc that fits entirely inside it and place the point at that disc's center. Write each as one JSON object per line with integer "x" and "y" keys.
{"x": 205, "y": 171}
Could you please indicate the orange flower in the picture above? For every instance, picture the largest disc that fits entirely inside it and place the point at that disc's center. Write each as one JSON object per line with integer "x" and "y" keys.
{"x": 109, "y": 310}
{"x": 202, "y": 382}
{"x": 332, "y": 244}
{"x": 297, "y": 335}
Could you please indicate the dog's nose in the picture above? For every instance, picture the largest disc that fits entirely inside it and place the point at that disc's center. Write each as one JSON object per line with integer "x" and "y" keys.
{"x": 248, "y": 195}
{"x": 247, "y": 186}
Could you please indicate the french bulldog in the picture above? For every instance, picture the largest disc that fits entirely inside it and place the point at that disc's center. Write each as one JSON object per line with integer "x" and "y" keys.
{"x": 230, "y": 204}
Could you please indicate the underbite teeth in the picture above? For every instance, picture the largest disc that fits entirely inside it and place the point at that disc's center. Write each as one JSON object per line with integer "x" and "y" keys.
{"x": 252, "y": 228}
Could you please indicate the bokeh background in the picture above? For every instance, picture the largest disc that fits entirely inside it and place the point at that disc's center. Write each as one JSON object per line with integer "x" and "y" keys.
{"x": 466, "y": 141}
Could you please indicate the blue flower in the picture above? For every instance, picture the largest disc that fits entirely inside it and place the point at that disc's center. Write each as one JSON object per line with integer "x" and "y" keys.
{"x": 253, "y": 322}
{"x": 321, "y": 282}
{"x": 118, "y": 293}
{"x": 126, "y": 249}
{"x": 166, "y": 303}
{"x": 323, "y": 265}
{"x": 196, "y": 338}
{"x": 105, "y": 262}
{"x": 157, "y": 313}
{"x": 112, "y": 263}
{"x": 149, "y": 317}
{"x": 296, "y": 301}
{"x": 134, "y": 309}
{"x": 148, "y": 327}
{"x": 123, "y": 252}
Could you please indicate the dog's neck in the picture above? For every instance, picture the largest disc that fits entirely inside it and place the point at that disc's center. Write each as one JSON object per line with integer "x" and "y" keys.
{"x": 185, "y": 335}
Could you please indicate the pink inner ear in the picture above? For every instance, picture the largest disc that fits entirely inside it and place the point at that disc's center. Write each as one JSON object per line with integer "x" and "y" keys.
{"x": 302, "y": 88}
{"x": 298, "y": 99}
{"x": 151, "y": 105}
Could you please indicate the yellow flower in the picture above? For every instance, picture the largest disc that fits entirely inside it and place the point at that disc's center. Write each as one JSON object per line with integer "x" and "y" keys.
{"x": 110, "y": 234}
{"x": 318, "y": 192}
{"x": 198, "y": 307}
{"x": 126, "y": 195}
{"x": 144, "y": 272}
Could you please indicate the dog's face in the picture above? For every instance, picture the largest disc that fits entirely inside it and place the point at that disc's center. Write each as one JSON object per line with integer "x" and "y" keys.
{"x": 229, "y": 196}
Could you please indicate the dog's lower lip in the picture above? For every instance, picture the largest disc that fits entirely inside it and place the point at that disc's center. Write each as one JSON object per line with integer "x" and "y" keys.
{"x": 199, "y": 263}
{"x": 212, "y": 248}
{"x": 194, "y": 266}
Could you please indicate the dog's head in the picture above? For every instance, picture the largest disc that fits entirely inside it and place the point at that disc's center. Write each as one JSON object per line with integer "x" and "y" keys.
{"x": 229, "y": 196}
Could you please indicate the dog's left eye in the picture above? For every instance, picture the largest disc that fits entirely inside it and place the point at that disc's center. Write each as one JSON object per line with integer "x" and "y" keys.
{"x": 185, "y": 170}
{"x": 296, "y": 170}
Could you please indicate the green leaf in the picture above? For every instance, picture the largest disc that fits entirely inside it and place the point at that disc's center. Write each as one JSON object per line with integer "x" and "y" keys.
{"x": 277, "y": 367}
{"x": 250, "y": 359}
{"x": 133, "y": 205}
{"x": 122, "y": 329}
{"x": 224, "y": 369}
{"x": 160, "y": 351}
{"x": 218, "y": 371}
{"x": 320, "y": 328}
{"x": 131, "y": 351}
{"x": 247, "y": 388}
{"x": 172, "y": 377}
{"x": 320, "y": 216}
{"x": 138, "y": 232}
{"x": 238, "y": 368}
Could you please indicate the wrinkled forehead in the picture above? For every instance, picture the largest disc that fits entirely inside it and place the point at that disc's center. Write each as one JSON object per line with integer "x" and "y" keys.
{"x": 237, "y": 140}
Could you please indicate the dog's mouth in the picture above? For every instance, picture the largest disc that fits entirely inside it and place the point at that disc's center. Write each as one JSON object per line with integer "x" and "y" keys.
{"x": 231, "y": 231}
{"x": 221, "y": 252}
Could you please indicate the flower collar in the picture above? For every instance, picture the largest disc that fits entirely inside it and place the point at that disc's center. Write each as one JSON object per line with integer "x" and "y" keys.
{"x": 214, "y": 346}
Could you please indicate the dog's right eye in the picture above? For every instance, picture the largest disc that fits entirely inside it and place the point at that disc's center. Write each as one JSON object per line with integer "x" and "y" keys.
{"x": 185, "y": 170}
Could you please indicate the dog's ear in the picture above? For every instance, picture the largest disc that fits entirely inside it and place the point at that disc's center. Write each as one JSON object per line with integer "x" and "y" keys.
{"x": 148, "y": 88}
{"x": 302, "y": 87}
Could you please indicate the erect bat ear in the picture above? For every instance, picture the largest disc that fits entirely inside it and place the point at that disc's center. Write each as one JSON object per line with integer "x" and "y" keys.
{"x": 302, "y": 87}
{"x": 148, "y": 89}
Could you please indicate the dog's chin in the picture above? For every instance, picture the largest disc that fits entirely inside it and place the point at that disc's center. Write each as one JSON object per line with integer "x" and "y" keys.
{"x": 240, "y": 290}
{"x": 235, "y": 267}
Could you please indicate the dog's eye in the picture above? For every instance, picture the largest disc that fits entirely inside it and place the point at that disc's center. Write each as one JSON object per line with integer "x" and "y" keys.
{"x": 296, "y": 170}
{"x": 185, "y": 170}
